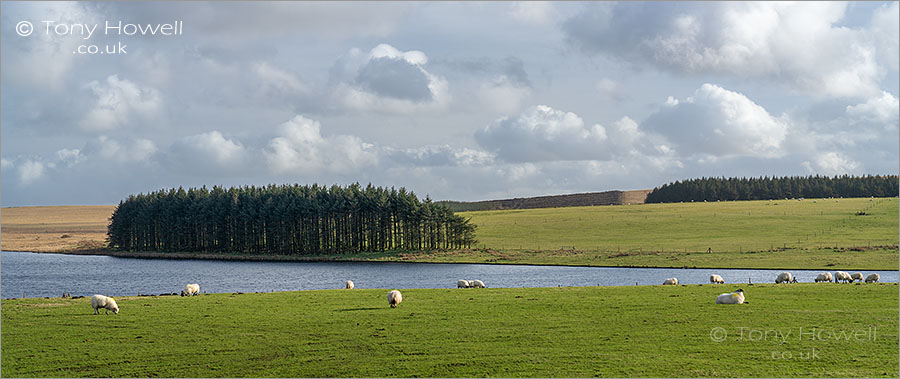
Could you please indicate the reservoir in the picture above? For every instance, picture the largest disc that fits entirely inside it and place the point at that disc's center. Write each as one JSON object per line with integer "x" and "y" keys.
{"x": 45, "y": 274}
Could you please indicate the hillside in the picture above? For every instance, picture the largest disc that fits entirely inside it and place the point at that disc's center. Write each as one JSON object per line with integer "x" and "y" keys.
{"x": 553, "y": 201}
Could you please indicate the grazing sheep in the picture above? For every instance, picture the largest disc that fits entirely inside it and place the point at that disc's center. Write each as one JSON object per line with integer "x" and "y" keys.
{"x": 671, "y": 282}
{"x": 842, "y": 276}
{"x": 856, "y": 276}
{"x": 108, "y": 303}
{"x": 731, "y": 298}
{"x": 477, "y": 284}
{"x": 824, "y": 277}
{"x": 716, "y": 279}
{"x": 873, "y": 278}
{"x": 462, "y": 284}
{"x": 349, "y": 284}
{"x": 394, "y": 298}
{"x": 191, "y": 290}
{"x": 784, "y": 277}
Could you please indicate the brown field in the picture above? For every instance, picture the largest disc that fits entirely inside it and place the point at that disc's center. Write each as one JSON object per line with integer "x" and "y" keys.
{"x": 54, "y": 229}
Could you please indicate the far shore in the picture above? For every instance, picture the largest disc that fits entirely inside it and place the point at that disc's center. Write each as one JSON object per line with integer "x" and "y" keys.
{"x": 401, "y": 258}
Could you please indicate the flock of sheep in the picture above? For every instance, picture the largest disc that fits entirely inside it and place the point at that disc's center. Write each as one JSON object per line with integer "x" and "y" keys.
{"x": 395, "y": 297}
{"x": 737, "y": 297}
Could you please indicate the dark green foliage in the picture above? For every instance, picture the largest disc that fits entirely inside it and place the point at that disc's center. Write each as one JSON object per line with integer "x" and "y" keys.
{"x": 711, "y": 189}
{"x": 285, "y": 220}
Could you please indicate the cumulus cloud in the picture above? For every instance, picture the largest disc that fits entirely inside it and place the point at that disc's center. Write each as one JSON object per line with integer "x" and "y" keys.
{"x": 542, "y": 133}
{"x": 502, "y": 94}
{"x": 301, "y": 148}
{"x": 119, "y": 102}
{"x": 31, "y": 170}
{"x": 278, "y": 81}
{"x": 387, "y": 79}
{"x": 832, "y": 163}
{"x": 719, "y": 122}
{"x": 208, "y": 152}
{"x": 795, "y": 44}
{"x": 70, "y": 157}
{"x": 138, "y": 150}
{"x": 438, "y": 155}
{"x": 882, "y": 109}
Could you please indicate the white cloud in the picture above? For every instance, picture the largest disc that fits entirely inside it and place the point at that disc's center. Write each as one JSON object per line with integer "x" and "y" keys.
{"x": 120, "y": 102}
{"x": 542, "y": 133}
{"x": 794, "y": 44}
{"x": 70, "y": 157}
{"x": 139, "y": 150}
{"x": 720, "y": 122}
{"x": 6, "y": 164}
{"x": 301, "y": 148}
{"x": 31, "y": 170}
{"x": 214, "y": 146}
{"x": 388, "y": 80}
{"x": 832, "y": 163}
{"x": 882, "y": 109}
{"x": 439, "y": 155}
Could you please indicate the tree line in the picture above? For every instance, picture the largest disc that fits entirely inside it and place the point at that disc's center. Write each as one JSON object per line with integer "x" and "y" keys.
{"x": 765, "y": 188}
{"x": 285, "y": 220}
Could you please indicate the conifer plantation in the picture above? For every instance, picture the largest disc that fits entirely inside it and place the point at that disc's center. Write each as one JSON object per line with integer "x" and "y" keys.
{"x": 766, "y": 188}
{"x": 285, "y": 220}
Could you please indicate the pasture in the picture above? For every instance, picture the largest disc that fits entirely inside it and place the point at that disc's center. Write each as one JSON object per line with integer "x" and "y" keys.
{"x": 800, "y": 330}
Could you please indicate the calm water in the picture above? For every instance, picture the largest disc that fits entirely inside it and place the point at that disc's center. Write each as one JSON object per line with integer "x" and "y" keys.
{"x": 41, "y": 275}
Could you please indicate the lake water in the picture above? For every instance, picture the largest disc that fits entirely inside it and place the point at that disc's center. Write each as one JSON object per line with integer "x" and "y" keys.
{"x": 44, "y": 274}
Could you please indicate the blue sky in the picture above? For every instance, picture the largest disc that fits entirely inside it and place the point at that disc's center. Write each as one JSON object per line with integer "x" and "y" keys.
{"x": 462, "y": 101}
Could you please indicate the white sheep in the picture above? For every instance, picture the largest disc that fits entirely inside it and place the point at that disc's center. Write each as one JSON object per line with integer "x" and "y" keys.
{"x": 349, "y": 284}
{"x": 716, "y": 279}
{"x": 824, "y": 277}
{"x": 873, "y": 278}
{"x": 108, "y": 303}
{"x": 731, "y": 298}
{"x": 784, "y": 277}
{"x": 394, "y": 298}
{"x": 842, "y": 276}
{"x": 191, "y": 290}
{"x": 856, "y": 276}
{"x": 671, "y": 282}
{"x": 477, "y": 284}
{"x": 462, "y": 284}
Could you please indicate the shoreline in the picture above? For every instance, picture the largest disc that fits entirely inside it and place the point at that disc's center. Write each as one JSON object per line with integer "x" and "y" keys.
{"x": 331, "y": 259}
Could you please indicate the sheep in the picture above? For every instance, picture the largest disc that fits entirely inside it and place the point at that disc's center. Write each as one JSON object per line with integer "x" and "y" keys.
{"x": 873, "y": 278}
{"x": 462, "y": 284}
{"x": 394, "y": 298}
{"x": 477, "y": 284}
{"x": 842, "y": 276}
{"x": 100, "y": 301}
{"x": 824, "y": 277}
{"x": 856, "y": 276}
{"x": 671, "y": 281}
{"x": 731, "y": 298}
{"x": 716, "y": 279}
{"x": 349, "y": 284}
{"x": 191, "y": 290}
{"x": 784, "y": 277}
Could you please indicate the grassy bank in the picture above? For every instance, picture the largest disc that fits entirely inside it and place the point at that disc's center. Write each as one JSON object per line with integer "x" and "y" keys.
{"x": 805, "y": 330}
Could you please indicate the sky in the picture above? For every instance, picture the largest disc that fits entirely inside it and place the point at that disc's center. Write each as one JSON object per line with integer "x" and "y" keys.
{"x": 451, "y": 100}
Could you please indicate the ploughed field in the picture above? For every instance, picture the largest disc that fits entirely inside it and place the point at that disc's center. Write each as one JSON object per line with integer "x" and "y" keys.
{"x": 789, "y": 330}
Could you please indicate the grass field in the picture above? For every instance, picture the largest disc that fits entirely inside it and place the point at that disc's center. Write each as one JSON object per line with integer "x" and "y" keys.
{"x": 803, "y": 330}
{"x": 785, "y": 234}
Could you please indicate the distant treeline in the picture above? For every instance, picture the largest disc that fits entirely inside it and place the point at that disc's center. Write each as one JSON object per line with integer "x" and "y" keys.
{"x": 711, "y": 189}
{"x": 285, "y": 220}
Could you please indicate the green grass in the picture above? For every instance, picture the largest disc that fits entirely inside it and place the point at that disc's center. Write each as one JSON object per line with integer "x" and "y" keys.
{"x": 744, "y": 234}
{"x": 645, "y": 331}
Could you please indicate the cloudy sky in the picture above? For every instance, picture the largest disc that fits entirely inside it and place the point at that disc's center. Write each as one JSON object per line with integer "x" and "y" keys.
{"x": 461, "y": 101}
